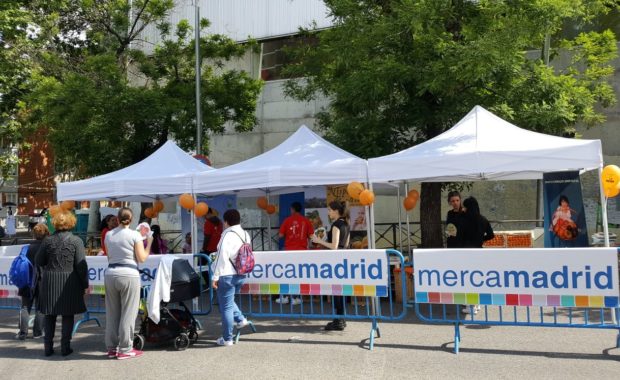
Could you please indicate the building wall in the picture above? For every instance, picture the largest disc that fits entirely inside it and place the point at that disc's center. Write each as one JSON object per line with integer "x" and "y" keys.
{"x": 36, "y": 175}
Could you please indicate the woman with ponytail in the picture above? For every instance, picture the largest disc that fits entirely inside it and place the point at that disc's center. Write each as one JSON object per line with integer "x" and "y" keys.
{"x": 337, "y": 238}
{"x": 122, "y": 285}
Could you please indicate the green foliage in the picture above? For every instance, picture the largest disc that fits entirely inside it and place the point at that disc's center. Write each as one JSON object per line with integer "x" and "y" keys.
{"x": 401, "y": 72}
{"x": 108, "y": 104}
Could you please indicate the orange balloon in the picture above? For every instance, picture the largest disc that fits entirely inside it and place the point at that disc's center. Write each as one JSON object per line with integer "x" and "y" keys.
{"x": 158, "y": 205}
{"x": 409, "y": 203}
{"x": 67, "y": 205}
{"x": 201, "y": 209}
{"x": 414, "y": 194}
{"x": 262, "y": 202}
{"x": 186, "y": 201}
{"x": 149, "y": 213}
{"x": 55, "y": 210}
{"x": 354, "y": 189}
{"x": 367, "y": 197}
{"x": 271, "y": 209}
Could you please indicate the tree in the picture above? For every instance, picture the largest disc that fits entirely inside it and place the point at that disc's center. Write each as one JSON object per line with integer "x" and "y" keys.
{"x": 108, "y": 104}
{"x": 401, "y": 72}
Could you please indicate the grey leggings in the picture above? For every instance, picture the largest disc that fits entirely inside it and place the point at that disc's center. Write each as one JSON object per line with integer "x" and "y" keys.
{"x": 122, "y": 299}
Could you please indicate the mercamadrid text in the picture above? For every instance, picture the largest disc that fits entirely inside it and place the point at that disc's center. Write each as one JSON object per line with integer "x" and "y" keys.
{"x": 342, "y": 270}
{"x": 560, "y": 279}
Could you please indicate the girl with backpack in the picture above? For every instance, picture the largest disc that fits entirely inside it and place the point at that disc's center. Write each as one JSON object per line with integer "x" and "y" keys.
{"x": 225, "y": 277}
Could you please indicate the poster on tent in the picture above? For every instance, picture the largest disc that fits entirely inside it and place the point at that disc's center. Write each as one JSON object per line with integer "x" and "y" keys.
{"x": 315, "y": 209}
{"x": 357, "y": 215}
{"x": 219, "y": 203}
{"x": 565, "y": 221}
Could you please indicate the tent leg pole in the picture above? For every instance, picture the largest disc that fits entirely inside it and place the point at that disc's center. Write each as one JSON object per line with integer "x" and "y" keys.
{"x": 400, "y": 220}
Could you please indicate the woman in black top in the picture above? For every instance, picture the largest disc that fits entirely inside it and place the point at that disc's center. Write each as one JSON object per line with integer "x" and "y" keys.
{"x": 337, "y": 238}
{"x": 64, "y": 280}
{"x": 476, "y": 229}
{"x": 454, "y": 220}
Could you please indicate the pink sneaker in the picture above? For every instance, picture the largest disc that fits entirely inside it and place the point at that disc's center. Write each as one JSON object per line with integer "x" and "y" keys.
{"x": 112, "y": 354}
{"x": 129, "y": 355}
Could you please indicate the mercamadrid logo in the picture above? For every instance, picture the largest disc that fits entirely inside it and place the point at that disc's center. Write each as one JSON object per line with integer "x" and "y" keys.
{"x": 342, "y": 270}
{"x": 564, "y": 278}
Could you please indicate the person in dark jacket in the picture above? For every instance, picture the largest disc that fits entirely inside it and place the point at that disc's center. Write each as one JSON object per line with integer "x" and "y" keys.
{"x": 475, "y": 229}
{"x": 454, "y": 220}
{"x": 29, "y": 295}
{"x": 64, "y": 280}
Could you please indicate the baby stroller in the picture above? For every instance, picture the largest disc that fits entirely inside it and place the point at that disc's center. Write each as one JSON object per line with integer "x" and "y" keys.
{"x": 177, "y": 325}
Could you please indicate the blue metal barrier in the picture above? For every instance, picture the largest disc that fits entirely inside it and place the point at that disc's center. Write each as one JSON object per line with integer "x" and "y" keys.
{"x": 322, "y": 307}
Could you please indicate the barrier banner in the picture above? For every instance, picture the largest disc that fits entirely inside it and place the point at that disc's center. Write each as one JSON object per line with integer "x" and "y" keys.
{"x": 570, "y": 277}
{"x": 320, "y": 272}
{"x": 96, "y": 271}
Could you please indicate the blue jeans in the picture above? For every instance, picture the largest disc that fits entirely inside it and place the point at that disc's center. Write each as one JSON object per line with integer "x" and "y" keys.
{"x": 227, "y": 286}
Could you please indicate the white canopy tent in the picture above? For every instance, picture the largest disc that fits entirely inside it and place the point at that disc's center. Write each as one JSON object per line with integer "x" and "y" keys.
{"x": 304, "y": 159}
{"x": 166, "y": 173}
{"x": 483, "y": 146}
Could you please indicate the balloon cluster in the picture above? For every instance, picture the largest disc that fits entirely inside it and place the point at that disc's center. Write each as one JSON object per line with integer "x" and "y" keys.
{"x": 610, "y": 179}
{"x": 263, "y": 203}
{"x": 187, "y": 202}
{"x": 411, "y": 200}
{"x": 153, "y": 211}
{"x": 357, "y": 191}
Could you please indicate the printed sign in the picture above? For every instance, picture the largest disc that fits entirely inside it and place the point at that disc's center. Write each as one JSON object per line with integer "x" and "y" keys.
{"x": 565, "y": 221}
{"x": 96, "y": 271}
{"x": 518, "y": 277}
{"x": 320, "y": 272}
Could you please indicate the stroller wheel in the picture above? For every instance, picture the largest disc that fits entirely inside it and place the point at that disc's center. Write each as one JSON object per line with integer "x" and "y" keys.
{"x": 181, "y": 342}
{"x": 193, "y": 336}
{"x": 138, "y": 342}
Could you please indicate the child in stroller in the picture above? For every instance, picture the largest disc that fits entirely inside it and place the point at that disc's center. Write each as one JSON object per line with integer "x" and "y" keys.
{"x": 178, "y": 325}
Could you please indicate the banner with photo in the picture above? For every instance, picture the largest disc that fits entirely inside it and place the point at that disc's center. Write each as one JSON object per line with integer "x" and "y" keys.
{"x": 565, "y": 220}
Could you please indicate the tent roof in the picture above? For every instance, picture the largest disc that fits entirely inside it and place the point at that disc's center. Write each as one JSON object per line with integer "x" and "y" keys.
{"x": 483, "y": 146}
{"x": 165, "y": 173}
{"x": 304, "y": 159}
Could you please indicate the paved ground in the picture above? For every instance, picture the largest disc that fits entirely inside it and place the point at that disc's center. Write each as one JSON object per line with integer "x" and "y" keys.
{"x": 301, "y": 350}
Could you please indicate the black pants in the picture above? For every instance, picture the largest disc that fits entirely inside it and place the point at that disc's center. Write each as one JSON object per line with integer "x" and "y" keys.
{"x": 339, "y": 302}
{"x": 50, "y": 329}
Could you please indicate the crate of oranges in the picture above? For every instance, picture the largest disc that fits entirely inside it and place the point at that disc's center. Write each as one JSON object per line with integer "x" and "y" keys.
{"x": 519, "y": 240}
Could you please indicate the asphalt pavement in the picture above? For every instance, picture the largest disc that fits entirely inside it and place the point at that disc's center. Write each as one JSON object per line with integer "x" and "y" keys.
{"x": 301, "y": 349}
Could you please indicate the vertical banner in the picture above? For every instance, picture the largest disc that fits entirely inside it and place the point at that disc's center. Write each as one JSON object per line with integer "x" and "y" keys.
{"x": 565, "y": 221}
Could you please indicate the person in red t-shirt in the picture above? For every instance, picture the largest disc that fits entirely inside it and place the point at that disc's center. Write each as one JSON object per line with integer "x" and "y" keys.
{"x": 212, "y": 232}
{"x": 296, "y": 231}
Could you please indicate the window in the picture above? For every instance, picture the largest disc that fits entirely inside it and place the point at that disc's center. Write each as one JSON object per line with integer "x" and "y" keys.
{"x": 274, "y": 57}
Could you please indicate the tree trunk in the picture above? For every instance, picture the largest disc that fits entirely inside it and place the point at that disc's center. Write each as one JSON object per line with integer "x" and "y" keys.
{"x": 430, "y": 215}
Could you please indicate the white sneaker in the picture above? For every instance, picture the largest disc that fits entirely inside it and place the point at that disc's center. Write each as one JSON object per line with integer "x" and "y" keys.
{"x": 468, "y": 310}
{"x": 296, "y": 301}
{"x": 221, "y": 342}
{"x": 242, "y": 324}
{"x": 282, "y": 300}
